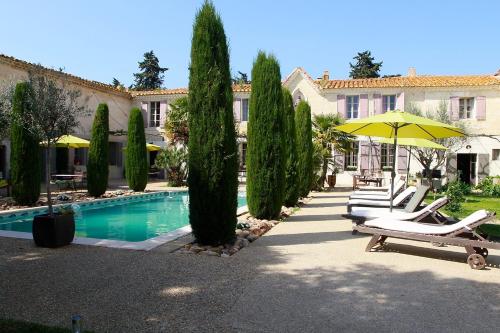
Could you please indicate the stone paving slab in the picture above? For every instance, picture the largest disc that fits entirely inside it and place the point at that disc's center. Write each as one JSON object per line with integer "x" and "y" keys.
{"x": 308, "y": 274}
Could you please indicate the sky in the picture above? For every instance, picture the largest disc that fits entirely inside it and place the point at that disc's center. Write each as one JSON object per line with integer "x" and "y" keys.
{"x": 99, "y": 40}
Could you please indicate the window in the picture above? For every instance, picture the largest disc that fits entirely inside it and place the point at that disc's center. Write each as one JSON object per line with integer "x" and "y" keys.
{"x": 388, "y": 103}
{"x": 352, "y": 107}
{"x": 386, "y": 155}
{"x": 495, "y": 154}
{"x": 351, "y": 157}
{"x": 465, "y": 107}
{"x": 154, "y": 114}
{"x": 115, "y": 154}
{"x": 244, "y": 109}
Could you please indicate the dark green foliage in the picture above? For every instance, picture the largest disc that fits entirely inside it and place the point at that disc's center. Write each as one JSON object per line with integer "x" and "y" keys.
{"x": 241, "y": 78}
{"x": 25, "y": 152}
{"x": 490, "y": 186}
{"x": 291, "y": 191}
{"x": 303, "y": 127}
{"x": 151, "y": 75}
{"x": 265, "y": 150}
{"x": 176, "y": 123}
{"x": 456, "y": 191}
{"x": 213, "y": 157}
{"x": 364, "y": 66}
{"x": 97, "y": 165}
{"x": 18, "y": 326}
{"x": 136, "y": 161}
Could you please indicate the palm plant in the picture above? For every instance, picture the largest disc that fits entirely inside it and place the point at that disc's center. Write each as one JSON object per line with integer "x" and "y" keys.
{"x": 174, "y": 161}
{"x": 327, "y": 138}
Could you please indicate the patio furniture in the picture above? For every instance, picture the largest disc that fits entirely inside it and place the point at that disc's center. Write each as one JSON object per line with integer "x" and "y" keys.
{"x": 66, "y": 181}
{"x": 382, "y": 195}
{"x": 373, "y": 201}
{"x": 463, "y": 233}
{"x": 356, "y": 212}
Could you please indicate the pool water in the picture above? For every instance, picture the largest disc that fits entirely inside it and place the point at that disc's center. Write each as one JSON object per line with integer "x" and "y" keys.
{"x": 127, "y": 221}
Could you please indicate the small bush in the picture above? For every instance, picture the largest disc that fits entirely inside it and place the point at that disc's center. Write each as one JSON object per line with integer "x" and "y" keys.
{"x": 488, "y": 187}
{"x": 456, "y": 192}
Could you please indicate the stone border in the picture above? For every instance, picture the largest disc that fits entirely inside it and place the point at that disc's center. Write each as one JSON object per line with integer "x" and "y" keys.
{"x": 145, "y": 245}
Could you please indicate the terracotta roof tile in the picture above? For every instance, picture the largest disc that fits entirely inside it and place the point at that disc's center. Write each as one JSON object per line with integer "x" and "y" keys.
{"x": 417, "y": 81}
{"x": 176, "y": 91}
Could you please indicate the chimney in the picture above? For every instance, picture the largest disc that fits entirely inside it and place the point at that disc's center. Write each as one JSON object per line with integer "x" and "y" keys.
{"x": 497, "y": 73}
{"x": 412, "y": 72}
{"x": 326, "y": 75}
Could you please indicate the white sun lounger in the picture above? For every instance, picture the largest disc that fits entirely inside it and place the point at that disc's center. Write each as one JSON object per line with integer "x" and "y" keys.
{"x": 398, "y": 187}
{"x": 462, "y": 233}
{"x": 372, "y": 200}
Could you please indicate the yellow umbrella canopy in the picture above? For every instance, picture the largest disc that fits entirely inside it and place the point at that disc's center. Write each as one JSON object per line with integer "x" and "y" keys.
{"x": 70, "y": 141}
{"x": 149, "y": 147}
{"x": 413, "y": 142}
{"x": 399, "y": 124}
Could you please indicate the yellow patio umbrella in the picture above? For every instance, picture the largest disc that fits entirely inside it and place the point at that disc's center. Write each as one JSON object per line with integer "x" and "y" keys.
{"x": 398, "y": 124}
{"x": 413, "y": 142}
{"x": 149, "y": 147}
{"x": 70, "y": 141}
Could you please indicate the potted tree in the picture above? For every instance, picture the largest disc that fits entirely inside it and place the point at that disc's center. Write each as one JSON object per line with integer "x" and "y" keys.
{"x": 53, "y": 111}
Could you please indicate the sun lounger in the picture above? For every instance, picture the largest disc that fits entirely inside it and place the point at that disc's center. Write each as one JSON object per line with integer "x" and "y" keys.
{"x": 366, "y": 211}
{"x": 398, "y": 187}
{"x": 462, "y": 233}
{"x": 371, "y": 201}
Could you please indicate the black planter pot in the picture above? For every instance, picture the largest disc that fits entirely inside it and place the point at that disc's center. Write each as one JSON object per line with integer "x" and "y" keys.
{"x": 53, "y": 231}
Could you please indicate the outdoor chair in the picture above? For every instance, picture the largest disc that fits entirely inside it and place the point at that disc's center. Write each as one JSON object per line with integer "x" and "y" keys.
{"x": 373, "y": 201}
{"x": 366, "y": 211}
{"x": 463, "y": 233}
{"x": 398, "y": 187}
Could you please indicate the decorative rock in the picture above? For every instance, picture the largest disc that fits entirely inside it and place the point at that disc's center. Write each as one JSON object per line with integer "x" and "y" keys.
{"x": 225, "y": 255}
{"x": 209, "y": 253}
{"x": 196, "y": 248}
{"x": 252, "y": 237}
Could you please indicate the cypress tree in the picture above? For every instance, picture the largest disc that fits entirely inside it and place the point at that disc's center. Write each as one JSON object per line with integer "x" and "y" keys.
{"x": 265, "y": 135}
{"x": 97, "y": 165}
{"x": 303, "y": 127}
{"x": 136, "y": 161}
{"x": 291, "y": 191}
{"x": 25, "y": 161}
{"x": 213, "y": 157}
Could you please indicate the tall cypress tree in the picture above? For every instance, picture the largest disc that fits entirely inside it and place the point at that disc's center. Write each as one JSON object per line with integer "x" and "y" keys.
{"x": 136, "y": 159}
{"x": 25, "y": 161}
{"x": 213, "y": 157}
{"x": 97, "y": 165}
{"x": 303, "y": 127}
{"x": 291, "y": 191}
{"x": 265, "y": 135}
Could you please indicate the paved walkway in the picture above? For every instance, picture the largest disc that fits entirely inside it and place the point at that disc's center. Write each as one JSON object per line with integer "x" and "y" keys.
{"x": 306, "y": 275}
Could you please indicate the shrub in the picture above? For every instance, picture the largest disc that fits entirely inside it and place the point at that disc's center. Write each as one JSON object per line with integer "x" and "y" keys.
{"x": 265, "y": 135}
{"x": 489, "y": 187}
{"x": 455, "y": 192}
{"x": 291, "y": 189}
{"x": 174, "y": 161}
{"x": 136, "y": 161}
{"x": 97, "y": 164}
{"x": 25, "y": 152}
{"x": 303, "y": 127}
{"x": 213, "y": 157}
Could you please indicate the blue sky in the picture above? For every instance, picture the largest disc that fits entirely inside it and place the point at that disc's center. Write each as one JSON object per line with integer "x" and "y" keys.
{"x": 99, "y": 40}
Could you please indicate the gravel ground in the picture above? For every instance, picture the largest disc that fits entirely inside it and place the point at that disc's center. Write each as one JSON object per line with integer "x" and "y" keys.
{"x": 306, "y": 275}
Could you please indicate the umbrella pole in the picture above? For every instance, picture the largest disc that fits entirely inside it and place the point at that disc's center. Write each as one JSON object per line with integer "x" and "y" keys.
{"x": 408, "y": 167}
{"x": 393, "y": 173}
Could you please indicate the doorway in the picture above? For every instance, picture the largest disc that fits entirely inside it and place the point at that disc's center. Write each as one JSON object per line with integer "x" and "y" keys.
{"x": 466, "y": 168}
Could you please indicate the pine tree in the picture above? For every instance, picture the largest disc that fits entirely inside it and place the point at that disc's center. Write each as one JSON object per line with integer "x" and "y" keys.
{"x": 151, "y": 75}
{"x": 265, "y": 135}
{"x": 136, "y": 159}
{"x": 303, "y": 127}
{"x": 291, "y": 192}
{"x": 97, "y": 165}
{"x": 213, "y": 158}
{"x": 25, "y": 161}
{"x": 364, "y": 66}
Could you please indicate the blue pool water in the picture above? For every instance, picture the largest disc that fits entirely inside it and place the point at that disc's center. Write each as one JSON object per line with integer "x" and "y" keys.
{"x": 129, "y": 221}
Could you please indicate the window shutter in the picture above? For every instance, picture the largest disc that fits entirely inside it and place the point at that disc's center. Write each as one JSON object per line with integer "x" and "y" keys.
{"x": 377, "y": 104}
{"x": 341, "y": 105}
{"x": 163, "y": 113}
{"x": 400, "y": 102}
{"x": 481, "y": 108}
{"x": 483, "y": 166}
{"x": 363, "y": 106}
{"x": 402, "y": 159}
{"x": 364, "y": 155}
{"x": 454, "y": 104}
{"x": 144, "y": 109}
{"x": 339, "y": 160}
{"x": 237, "y": 109}
{"x": 375, "y": 156}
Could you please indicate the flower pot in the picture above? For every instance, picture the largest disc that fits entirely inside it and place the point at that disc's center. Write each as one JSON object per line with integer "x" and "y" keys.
{"x": 332, "y": 180}
{"x": 53, "y": 231}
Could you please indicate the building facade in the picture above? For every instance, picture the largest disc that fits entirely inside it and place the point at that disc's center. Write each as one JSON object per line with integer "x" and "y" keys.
{"x": 473, "y": 100}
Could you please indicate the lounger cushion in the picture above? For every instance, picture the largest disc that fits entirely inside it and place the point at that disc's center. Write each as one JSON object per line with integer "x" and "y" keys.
{"x": 400, "y": 214}
{"x": 397, "y": 188}
{"x": 369, "y": 201}
{"x": 421, "y": 228}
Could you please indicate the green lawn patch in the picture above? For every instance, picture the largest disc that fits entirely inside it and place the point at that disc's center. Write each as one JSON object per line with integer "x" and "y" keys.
{"x": 18, "y": 326}
{"x": 472, "y": 203}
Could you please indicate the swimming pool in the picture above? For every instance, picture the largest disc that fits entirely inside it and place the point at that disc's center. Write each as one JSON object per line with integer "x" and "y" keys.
{"x": 135, "y": 220}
